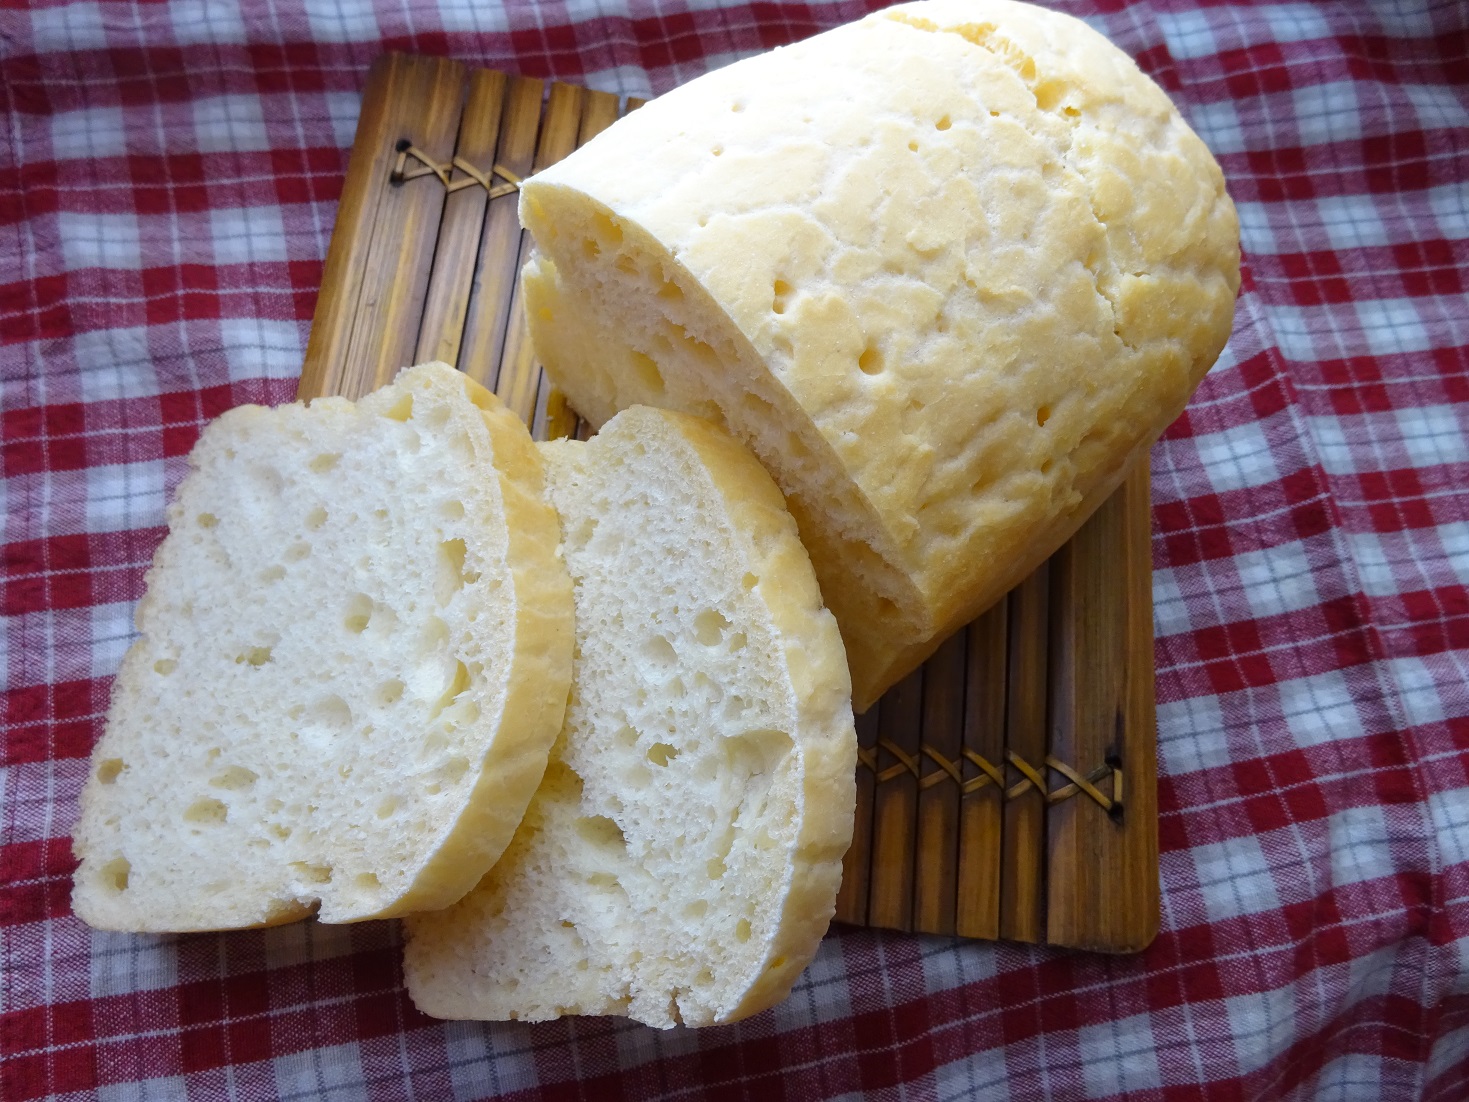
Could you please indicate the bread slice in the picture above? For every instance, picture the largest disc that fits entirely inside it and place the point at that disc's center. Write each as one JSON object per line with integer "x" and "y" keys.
{"x": 355, "y": 655}
{"x": 947, "y": 271}
{"x": 681, "y": 860}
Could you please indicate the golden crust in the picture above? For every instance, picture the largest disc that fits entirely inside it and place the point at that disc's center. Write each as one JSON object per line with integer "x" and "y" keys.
{"x": 965, "y": 243}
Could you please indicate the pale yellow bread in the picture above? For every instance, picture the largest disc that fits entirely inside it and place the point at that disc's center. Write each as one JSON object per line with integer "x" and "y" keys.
{"x": 948, "y": 271}
{"x": 355, "y": 655}
{"x": 681, "y": 860}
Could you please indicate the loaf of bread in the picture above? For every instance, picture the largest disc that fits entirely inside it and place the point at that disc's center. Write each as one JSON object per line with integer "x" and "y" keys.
{"x": 355, "y": 656}
{"x": 681, "y": 859}
{"x": 948, "y": 271}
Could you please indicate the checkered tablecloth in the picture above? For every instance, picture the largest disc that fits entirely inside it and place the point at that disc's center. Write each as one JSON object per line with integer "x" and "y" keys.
{"x": 168, "y": 181}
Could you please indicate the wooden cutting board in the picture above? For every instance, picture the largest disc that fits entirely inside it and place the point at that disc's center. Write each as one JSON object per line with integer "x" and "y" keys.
{"x": 1005, "y": 790}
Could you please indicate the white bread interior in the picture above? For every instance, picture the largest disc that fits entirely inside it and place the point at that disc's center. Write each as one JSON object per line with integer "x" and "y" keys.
{"x": 355, "y": 655}
{"x": 681, "y": 860}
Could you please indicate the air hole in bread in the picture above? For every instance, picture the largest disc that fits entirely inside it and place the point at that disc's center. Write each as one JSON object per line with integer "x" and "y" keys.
{"x": 325, "y": 462}
{"x": 272, "y": 574}
{"x": 913, "y": 145}
{"x": 758, "y": 408}
{"x": 590, "y": 249}
{"x": 627, "y": 265}
{"x": 737, "y": 106}
{"x": 601, "y": 832}
{"x": 604, "y": 880}
{"x": 778, "y": 296}
{"x": 742, "y": 930}
{"x": 670, "y": 291}
{"x": 316, "y": 518}
{"x": 562, "y": 781}
{"x": 737, "y": 641}
{"x": 255, "y": 656}
{"x": 236, "y": 778}
{"x": 704, "y": 978}
{"x": 452, "y": 510}
{"x": 433, "y": 638}
{"x": 778, "y": 962}
{"x": 716, "y": 151}
{"x": 645, "y": 371}
{"x": 402, "y": 409}
{"x": 870, "y": 361}
{"x": 457, "y": 684}
{"x": 697, "y": 909}
{"x": 207, "y": 520}
{"x": 312, "y": 874}
{"x": 368, "y": 881}
{"x": 359, "y": 613}
{"x": 207, "y": 810}
{"x": 115, "y": 874}
{"x": 750, "y": 581}
{"x": 659, "y": 650}
{"x": 758, "y": 751}
{"x": 435, "y": 418}
{"x": 710, "y": 626}
{"x": 660, "y": 753}
{"x": 715, "y": 868}
{"x": 1046, "y": 466}
{"x": 297, "y": 551}
{"x": 627, "y": 736}
{"x": 387, "y": 807}
{"x": 943, "y": 123}
{"x": 165, "y": 666}
{"x": 390, "y": 692}
{"x": 108, "y": 770}
{"x": 333, "y": 711}
{"x": 434, "y": 743}
{"x": 1042, "y": 415}
{"x": 607, "y": 228}
{"x": 451, "y": 576}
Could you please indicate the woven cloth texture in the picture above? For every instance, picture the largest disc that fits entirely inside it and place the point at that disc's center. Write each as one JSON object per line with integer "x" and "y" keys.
{"x": 168, "y": 181}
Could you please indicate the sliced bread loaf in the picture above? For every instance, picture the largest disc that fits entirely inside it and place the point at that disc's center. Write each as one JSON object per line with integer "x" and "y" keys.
{"x": 948, "y": 271}
{"x": 681, "y": 860}
{"x": 355, "y": 654}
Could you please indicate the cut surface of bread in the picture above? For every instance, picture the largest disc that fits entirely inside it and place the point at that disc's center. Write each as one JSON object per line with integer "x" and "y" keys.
{"x": 355, "y": 654}
{"x": 948, "y": 271}
{"x": 680, "y": 862}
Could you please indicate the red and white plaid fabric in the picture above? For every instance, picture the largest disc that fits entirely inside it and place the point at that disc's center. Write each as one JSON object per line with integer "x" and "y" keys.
{"x": 167, "y": 186}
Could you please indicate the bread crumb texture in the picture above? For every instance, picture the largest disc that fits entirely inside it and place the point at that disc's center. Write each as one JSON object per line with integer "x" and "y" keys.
{"x": 355, "y": 654}
{"x": 948, "y": 271}
{"x": 680, "y": 862}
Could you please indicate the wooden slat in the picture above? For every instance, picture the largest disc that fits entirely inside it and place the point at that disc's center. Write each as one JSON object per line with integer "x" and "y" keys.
{"x": 499, "y": 250}
{"x": 857, "y": 865}
{"x": 519, "y": 376}
{"x": 936, "y": 857}
{"x": 982, "y": 809}
{"x": 377, "y": 267}
{"x": 890, "y": 892}
{"x": 447, "y": 302}
{"x": 1022, "y": 867}
{"x": 1102, "y": 872}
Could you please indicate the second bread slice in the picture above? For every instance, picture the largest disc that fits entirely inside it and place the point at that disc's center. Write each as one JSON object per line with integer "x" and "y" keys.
{"x": 680, "y": 862}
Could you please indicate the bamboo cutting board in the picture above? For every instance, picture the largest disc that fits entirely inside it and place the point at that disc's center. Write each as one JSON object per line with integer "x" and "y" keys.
{"x": 1005, "y": 790}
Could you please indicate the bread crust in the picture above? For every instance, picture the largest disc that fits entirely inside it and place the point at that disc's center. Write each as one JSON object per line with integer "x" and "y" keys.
{"x": 948, "y": 271}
